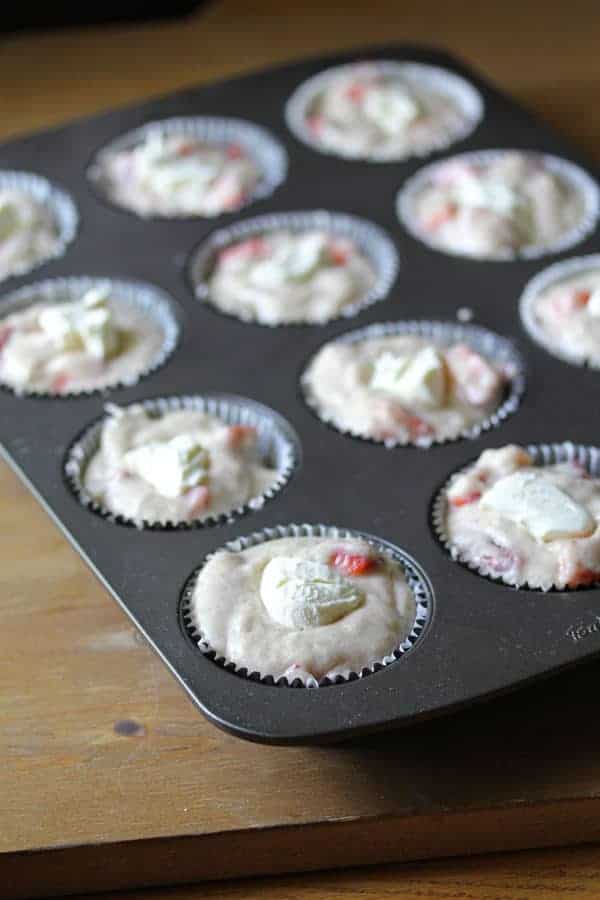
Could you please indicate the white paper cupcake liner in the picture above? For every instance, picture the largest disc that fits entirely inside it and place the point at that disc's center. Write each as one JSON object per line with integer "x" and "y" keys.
{"x": 149, "y": 300}
{"x": 550, "y": 277}
{"x": 572, "y": 175}
{"x": 497, "y": 349}
{"x": 58, "y": 204}
{"x": 370, "y": 239}
{"x": 261, "y": 147}
{"x": 277, "y": 443}
{"x": 417, "y": 580}
{"x": 587, "y": 457}
{"x": 433, "y": 78}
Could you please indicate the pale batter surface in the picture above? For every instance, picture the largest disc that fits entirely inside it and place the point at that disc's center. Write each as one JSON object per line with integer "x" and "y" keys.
{"x": 494, "y": 209}
{"x": 179, "y": 175}
{"x": 29, "y": 233}
{"x": 285, "y": 277}
{"x": 568, "y": 316}
{"x": 232, "y": 593}
{"x": 193, "y": 466}
{"x": 88, "y": 348}
{"x": 403, "y": 388}
{"x": 371, "y": 111}
{"x": 539, "y": 528}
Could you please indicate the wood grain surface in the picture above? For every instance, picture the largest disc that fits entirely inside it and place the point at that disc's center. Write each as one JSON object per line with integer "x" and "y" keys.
{"x": 108, "y": 773}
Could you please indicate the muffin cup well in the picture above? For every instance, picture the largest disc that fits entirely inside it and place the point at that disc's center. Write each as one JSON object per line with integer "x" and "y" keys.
{"x": 547, "y": 278}
{"x": 58, "y": 204}
{"x": 497, "y": 349}
{"x": 572, "y": 175}
{"x": 261, "y": 147}
{"x": 278, "y": 444}
{"x": 150, "y": 301}
{"x": 370, "y": 239}
{"x": 415, "y": 576}
{"x": 587, "y": 457}
{"x": 433, "y": 78}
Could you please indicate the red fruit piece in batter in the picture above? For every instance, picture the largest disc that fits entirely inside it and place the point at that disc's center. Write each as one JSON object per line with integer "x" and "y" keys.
{"x": 197, "y": 499}
{"x": 356, "y": 92}
{"x": 5, "y": 334}
{"x": 235, "y": 151}
{"x": 582, "y": 577}
{"x": 352, "y": 563}
{"x": 315, "y": 123}
{"x": 465, "y": 499}
{"x": 240, "y": 435}
{"x": 245, "y": 249}
{"x": 60, "y": 382}
{"x": 445, "y": 214}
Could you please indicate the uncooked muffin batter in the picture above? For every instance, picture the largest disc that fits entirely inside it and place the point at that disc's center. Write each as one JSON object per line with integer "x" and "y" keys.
{"x": 29, "y": 233}
{"x": 284, "y": 276}
{"x": 493, "y": 209}
{"x": 303, "y": 607}
{"x": 386, "y": 112}
{"x": 89, "y": 343}
{"x": 568, "y": 316}
{"x": 402, "y": 388}
{"x": 179, "y": 175}
{"x": 526, "y": 524}
{"x": 180, "y": 466}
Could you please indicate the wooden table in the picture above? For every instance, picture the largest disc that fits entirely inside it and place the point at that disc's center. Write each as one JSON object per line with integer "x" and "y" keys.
{"x": 89, "y": 718}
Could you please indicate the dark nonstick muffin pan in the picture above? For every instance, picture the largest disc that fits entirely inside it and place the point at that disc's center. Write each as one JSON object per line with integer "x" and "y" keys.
{"x": 482, "y": 638}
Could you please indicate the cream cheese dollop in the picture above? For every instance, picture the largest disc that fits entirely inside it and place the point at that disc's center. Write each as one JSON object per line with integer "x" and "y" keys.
{"x": 544, "y": 510}
{"x": 294, "y": 259}
{"x": 86, "y": 324}
{"x": 172, "y": 467}
{"x": 390, "y": 108}
{"x": 166, "y": 172}
{"x": 300, "y": 593}
{"x": 593, "y": 304}
{"x": 418, "y": 379}
{"x": 497, "y": 196}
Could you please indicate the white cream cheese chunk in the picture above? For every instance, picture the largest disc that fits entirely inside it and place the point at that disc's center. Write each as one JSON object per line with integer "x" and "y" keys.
{"x": 419, "y": 379}
{"x": 390, "y": 109}
{"x": 295, "y": 260}
{"x": 536, "y": 504}
{"x": 498, "y": 197}
{"x": 171, "y": 467}
{"x": 300, "y": 593}
{"x": 86, "y": 324}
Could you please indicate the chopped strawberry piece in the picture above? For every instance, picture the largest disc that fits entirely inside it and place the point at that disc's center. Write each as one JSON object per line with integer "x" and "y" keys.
{"x": 197, "y": 500}
{"x": 582, "y": 577}
{"x": 500, "y": 560}
{"x": 235, "y": 151}
{"x": 339, "y": 253}
{"x": 582, "y": 297}
{"x": 315, "y": 123}
{"x": 418, "y": 427}
{"x": 465, "y": 499}
{"x": 187, "y": 148}
{"x": 566, "y": 302}
{"x": 356, "y": 92}
{"x": 245, "y": 249}
{"x": 60, "y": 382}
{"x": 234, "y": 200}
{"x": 352, "y": 563}
{"x": 5, "y": 334}
{"x": 240, "y": 435}
{"x": 476, "y": 380}
{"x": 445, "y": 214}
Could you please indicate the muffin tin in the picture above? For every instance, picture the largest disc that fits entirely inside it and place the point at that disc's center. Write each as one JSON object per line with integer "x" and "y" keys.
{"x": 483, "y": 638}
